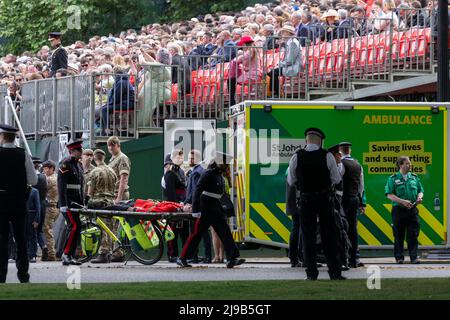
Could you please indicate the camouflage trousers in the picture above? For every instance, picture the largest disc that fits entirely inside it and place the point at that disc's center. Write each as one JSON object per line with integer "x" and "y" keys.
{"x": 114, "y": 227}
{"x": 106, "y": 246}
{"x": 51, "y": 214}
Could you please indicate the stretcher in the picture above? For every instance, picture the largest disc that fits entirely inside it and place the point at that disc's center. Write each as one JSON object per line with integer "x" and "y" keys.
{"x": 146, "y": 231}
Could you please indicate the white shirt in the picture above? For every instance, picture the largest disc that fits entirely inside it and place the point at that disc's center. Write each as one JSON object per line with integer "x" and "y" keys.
{"x": 331, "y": 164}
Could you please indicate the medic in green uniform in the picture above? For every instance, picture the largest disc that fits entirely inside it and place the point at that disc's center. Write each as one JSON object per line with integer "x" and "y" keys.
{"x": 406, "y": 192}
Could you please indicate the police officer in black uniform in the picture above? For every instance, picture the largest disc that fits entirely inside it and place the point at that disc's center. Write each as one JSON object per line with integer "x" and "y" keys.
{"x": 206, "y": 200}
{"x": 41, "y": 186}
{"x": 341, "y": 219}
{"x": 313, "y": 170}
{"x": 59, "y": 56}
{"x": 352, "y": 199}
{"x": 16, "y": 175}
{"x": 70, "y": 191}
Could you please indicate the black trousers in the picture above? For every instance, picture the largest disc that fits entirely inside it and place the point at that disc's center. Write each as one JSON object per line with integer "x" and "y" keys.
{"x": 275, "y": 82}
{"x": 212, "y": 215}
{"x": 18, "y": 221}
{"x": 295, "y": 240}
{"x": 351, "y": 205}
{"x": 405, "y": 221}
{"x": 72, "y": 232}
{"x": 320, "y": 206}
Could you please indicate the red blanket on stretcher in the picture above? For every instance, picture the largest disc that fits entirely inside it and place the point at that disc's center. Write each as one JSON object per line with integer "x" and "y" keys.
{"x": 157, "y": 206}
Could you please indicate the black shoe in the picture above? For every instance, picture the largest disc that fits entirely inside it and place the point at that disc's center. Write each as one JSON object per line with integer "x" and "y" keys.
{"x": 310, "y": 278}
{"x": 338, "y": 277}
{"x": 207, "y": 260}
{"x": 356, "y": 264}
{"x": 32, "y": 260}
{"x": 400, "y": 261}
{"x": 75, "y": 262}
{"x": 235, "y": 262}
{"x": 345, "y": 267}
{"x": 194, "y": 261}
{"x": 24, "y": 278}
{"x": 44, "y": 256}
{"x": 415, "y": 261}
{"x": 183, "y": 263}
{"x": 66, "y": 260}
{"x": 173, "y": 259}
{"x": 295, "y": 264}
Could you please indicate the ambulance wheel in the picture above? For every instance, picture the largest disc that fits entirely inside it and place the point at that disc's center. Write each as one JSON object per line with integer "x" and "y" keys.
{"x": 152, "y": 255}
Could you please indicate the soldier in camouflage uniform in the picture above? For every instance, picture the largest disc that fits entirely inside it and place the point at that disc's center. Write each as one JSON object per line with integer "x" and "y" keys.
{"x": 86, "y": 163}
{"x": 101, "y": 186}
{"x": 52, "y": 211}
{"x": 121, "y": 165}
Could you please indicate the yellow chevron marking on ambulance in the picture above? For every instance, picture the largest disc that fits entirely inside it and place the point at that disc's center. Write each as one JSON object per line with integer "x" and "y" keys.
{"x": 379, "y": 222}
{"x": 423, "y": 238}
{"x": 431, "y": 220}
{"x": 282, "y": 207}
{"x": 257, "y": 232}
{"x": 367, "y": 236}
{"x": 272, "y": 220}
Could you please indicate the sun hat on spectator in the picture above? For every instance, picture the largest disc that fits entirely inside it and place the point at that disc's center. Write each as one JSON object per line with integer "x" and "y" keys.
{"x": 73, "y": 66}
{"x": 244, "y": 40}
{"x": 288, "y": 28}
{"x": 330, "y": 13}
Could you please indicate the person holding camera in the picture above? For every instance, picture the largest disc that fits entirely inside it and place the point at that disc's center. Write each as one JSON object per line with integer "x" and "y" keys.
{"x": 406, "y": 192}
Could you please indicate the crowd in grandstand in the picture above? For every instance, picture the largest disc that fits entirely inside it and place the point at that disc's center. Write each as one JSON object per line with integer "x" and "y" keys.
{"x": 214, "y": 36}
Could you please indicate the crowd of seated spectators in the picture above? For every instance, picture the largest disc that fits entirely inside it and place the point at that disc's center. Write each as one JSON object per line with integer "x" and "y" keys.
{"x": 137, "y": 58}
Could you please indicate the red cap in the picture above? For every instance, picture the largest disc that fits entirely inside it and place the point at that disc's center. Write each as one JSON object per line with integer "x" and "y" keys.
{"x": 244, "y": 40}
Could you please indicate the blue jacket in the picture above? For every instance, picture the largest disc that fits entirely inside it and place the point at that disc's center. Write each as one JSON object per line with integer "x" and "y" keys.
{"x": 122, "y": 95}
{"x": 34, "y": 206}
{"x": 193, "y": 181}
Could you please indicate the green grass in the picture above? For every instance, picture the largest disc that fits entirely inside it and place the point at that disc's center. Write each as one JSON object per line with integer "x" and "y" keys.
{"x": 423, "y": 289}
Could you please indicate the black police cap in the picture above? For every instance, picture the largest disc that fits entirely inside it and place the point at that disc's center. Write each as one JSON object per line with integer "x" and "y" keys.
{"x": 55, "y": 35}
{"x": 334, "y": 149}
{"x": 167, "y": 159}
{"x": 36, "y": 160}
{"x": 345, "y": 144}
{"x": 4, "y": 128}
{"x": 315, "y": 131}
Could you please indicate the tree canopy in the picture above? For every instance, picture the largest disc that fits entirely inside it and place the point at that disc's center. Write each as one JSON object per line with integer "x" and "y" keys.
{"x": 24, "y": 24}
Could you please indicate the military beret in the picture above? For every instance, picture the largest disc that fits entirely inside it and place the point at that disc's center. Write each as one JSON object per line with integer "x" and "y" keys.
{"x": 73, "y": 145}
{"x": 4, "y": 128}
{"x": 49, "y": 164}
{"x": 315, "y": 131}
{"x": 99, "y": 151}
{"x": 88, "y": 151}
